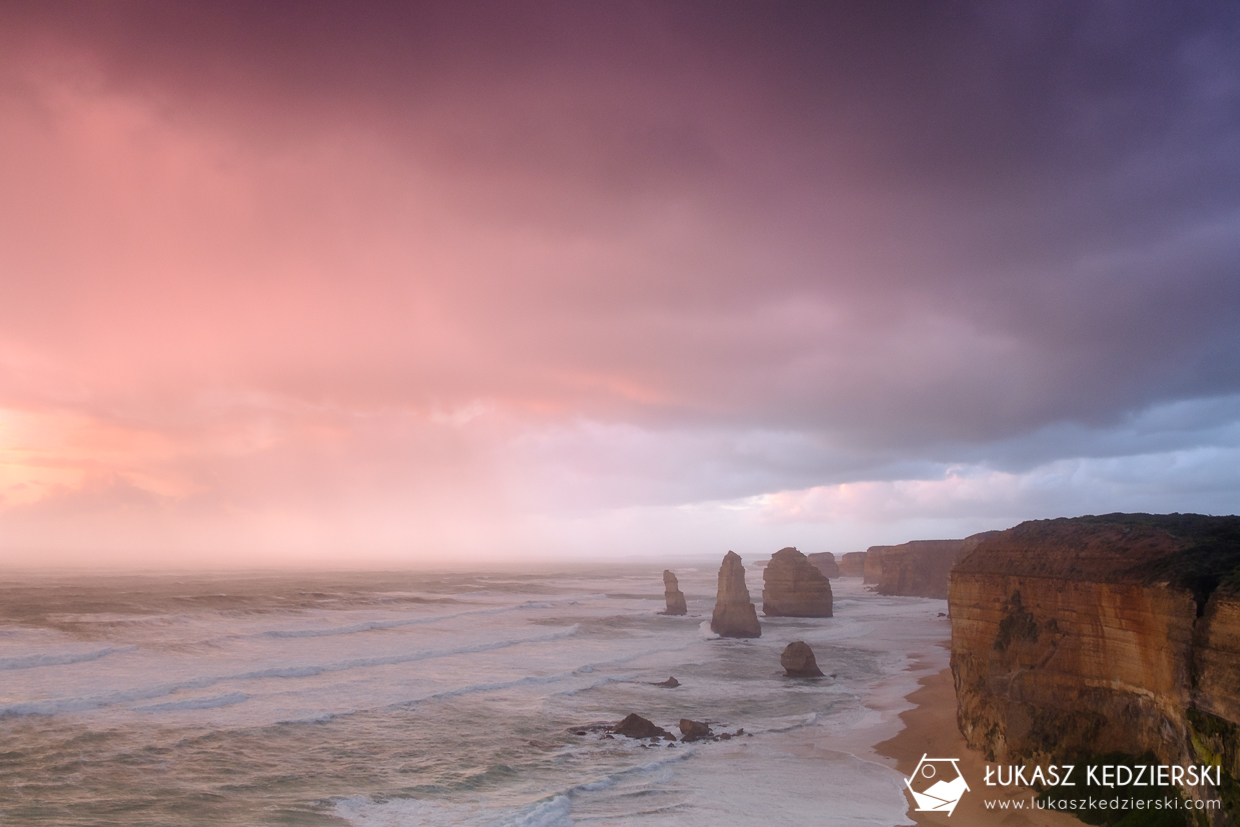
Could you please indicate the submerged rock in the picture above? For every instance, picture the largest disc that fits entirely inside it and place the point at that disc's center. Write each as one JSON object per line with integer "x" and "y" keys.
{"x": 735, "y": 615}
{"x": 693, "y": 730}
{"x": 635, "y": 726}
{"x": 673, "y": 595}
{"x": 798, "y": 661}
{"x": 795, "y": 587}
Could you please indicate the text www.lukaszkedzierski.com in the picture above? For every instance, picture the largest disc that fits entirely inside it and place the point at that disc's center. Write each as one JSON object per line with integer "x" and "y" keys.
{"x": 1072, "y": 804}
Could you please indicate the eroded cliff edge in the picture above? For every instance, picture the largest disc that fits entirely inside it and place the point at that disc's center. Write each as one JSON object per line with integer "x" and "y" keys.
{"x": 1082, "y": 636}
{"x": 922, "y": 568}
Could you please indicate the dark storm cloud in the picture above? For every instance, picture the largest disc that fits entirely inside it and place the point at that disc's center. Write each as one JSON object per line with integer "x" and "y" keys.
{"x": 1063, "y": 175}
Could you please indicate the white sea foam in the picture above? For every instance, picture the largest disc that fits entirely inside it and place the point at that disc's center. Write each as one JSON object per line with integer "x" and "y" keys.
{"x": 38, "y": 659}
{"x": 77, "y": 704}
{"x": 215, "y": 702}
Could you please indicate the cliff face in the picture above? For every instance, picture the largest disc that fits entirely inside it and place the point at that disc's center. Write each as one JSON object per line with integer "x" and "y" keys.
{"x": 852, "y": 564}
{"x": 735, "y": 615}
{"x": 794, "y": 587}
{"x": 922, "y": 568}
{"x": 1098, "y": 634}
{"x": 872, "y": 571}
{"x": 1216, "y": 664}
{"x": 824, "y": 561}
{"x": 672, "y": 594}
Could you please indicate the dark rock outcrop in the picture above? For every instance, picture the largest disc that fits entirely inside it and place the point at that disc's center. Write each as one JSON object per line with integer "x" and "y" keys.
{"x": 824, "y": 561}
{"x": 798, "y": 661}
{"x": 794, "y": 587}
{"x": 635, "y": 726}
{"x": 873, "y": 569}
{"x": 734, "y": 615}
{"x": 852, "y": 564}
{"x": 673, "y": 595}
{"x": 922, "y": 568}
{"x": 1098, "y": 634}
{"x": 693, "y": 730}
{"x": 670, "y": 683}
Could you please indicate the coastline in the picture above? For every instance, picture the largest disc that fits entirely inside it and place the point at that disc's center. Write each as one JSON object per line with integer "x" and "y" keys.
{"x": 930, "y": 729}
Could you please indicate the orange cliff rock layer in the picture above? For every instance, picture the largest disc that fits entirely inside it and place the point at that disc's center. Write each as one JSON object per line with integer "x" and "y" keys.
{"x": 1082, "y": 636}
{"x": 922, "y": 568}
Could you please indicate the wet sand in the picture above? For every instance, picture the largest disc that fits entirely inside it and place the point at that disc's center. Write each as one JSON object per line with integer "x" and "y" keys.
{"x": 930, "y": 729}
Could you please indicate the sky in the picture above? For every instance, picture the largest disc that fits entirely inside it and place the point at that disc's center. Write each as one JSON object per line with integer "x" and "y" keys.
{"x": 435, "y": 284}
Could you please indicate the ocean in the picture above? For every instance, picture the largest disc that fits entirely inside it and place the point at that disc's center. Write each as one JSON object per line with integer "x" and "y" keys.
{"x": 411, "y": 699}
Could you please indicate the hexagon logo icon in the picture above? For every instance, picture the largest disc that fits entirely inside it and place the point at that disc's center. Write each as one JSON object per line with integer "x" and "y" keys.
{"x": 937, "y": 785}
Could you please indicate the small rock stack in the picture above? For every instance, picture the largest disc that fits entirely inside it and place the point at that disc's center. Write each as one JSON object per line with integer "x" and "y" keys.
{"x": 799, "y": 662}
{"x": 673, "y": 595}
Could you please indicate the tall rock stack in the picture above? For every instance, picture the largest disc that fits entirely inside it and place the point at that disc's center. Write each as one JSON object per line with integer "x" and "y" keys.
{"x": 735, "y": 615}
{"x": 794, "y": 587}
{"x": 824, "y": 561}
{"x": 673, "y": 595}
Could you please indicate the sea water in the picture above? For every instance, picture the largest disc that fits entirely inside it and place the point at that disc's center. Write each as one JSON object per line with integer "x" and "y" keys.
{"x": 395, "y": 700}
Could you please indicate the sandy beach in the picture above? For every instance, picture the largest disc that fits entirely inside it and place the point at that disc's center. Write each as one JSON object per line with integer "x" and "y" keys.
{"x": 930, "y": 729}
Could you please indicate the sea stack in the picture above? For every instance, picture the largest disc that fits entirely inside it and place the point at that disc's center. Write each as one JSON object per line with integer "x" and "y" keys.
{"x": 852, "y": 564}
{"x": 799, "y": 662}
{"x": 735, "y": 615}
{"x": 824, "y": 561}
{"x": 794, "y": 587}
{"x": 673, "y": 595}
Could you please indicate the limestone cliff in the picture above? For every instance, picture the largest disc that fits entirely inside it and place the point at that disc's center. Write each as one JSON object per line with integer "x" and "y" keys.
{"x": 921, "y": 568}
{"x": 794, "y": 587}
{"x": 852, "y": 564}
{"x": 1098, "y": 634}
{"x": 735, "y": 615}
{"x": 824, "y": 561}
{"x": 672, "y": 594}
{"x": 873, "y": 568}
